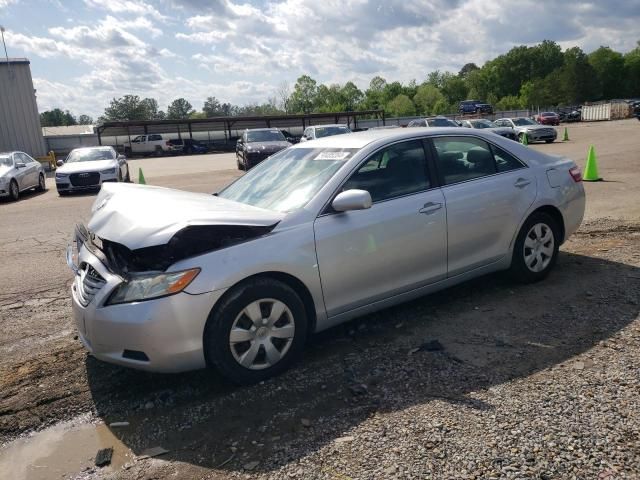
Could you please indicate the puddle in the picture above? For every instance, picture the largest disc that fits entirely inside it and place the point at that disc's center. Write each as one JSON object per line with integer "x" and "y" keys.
{"x": 60, "y": 451}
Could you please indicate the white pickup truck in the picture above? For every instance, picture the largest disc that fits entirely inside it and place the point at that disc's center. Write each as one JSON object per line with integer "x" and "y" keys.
{"x": 148, "y": 144}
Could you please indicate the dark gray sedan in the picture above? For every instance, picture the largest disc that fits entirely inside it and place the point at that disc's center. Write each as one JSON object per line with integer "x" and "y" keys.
{"x": 19, "y": 172}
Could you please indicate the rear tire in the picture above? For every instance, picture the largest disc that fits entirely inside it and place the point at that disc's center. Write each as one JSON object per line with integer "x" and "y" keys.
{"x": 536, "y": 249}
{"x": 271, "y": 345}
{"x": 14, "y": 191}
{"x": 158, "y": 151}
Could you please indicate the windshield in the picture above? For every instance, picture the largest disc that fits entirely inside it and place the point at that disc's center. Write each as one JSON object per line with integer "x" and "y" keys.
{"x": 442, "y": 122}
{"x": 482, "y": 124}
{"x": 6, "y": 161}
{"x": 289, "y": 179}
{"x": 90, "y": 155}
{"x": 265, "y": 136}
{"x": 328, "y": 131}
{"x": 523, "y": 121}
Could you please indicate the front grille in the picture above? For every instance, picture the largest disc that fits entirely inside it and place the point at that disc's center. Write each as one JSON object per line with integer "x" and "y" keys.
{"x": 90, "y": 283}
{"x": 85, "y": 179}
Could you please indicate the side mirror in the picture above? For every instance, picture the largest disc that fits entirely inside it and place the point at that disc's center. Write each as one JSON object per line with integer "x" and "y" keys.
{"x": 352, "y": 200}
{"x": 121, "y": 157}
{"x": 20, "y": 165}
{"x": 60, "y": 163}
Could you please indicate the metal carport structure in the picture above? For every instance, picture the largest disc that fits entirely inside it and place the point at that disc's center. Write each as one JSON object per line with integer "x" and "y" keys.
{"x": 223, "y": 128}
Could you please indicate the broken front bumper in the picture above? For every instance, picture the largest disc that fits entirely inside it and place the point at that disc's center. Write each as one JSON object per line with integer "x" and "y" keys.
{"x": 160, "y": 335}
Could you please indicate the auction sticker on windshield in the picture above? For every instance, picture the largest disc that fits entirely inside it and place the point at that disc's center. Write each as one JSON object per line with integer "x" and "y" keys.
{"x": 333, "y": 155}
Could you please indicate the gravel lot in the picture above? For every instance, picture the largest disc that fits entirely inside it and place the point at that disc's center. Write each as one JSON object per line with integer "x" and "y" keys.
{"x": 488, "y": 379}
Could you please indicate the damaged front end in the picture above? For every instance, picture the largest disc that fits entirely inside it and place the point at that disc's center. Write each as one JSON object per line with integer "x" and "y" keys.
{"x": 188, "y": 242}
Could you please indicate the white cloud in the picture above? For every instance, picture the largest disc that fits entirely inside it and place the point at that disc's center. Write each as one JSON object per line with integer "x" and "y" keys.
{"x": 134, "y": 7}
{"x": 239, "y": 51}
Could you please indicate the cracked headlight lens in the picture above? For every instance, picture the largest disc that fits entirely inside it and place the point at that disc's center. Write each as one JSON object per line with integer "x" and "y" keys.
{"x": 146, "y": 286}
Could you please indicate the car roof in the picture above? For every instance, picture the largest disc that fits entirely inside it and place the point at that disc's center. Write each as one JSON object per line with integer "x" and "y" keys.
{"x": 330, "y": 125}
{"x": 97, "y": 147}
{"x": 361, "y": 139}
{"x": 262, "y": 129}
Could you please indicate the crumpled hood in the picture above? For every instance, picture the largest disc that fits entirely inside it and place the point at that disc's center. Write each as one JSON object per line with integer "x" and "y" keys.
{"x": 139, "y": 216}
{"x": 268, "y": 146}
{"x": 90, "y": 166}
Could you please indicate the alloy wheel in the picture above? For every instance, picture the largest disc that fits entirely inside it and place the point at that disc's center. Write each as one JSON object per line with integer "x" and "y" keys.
{"x": 41, "y": 183}
{"x": 261, "y": 334}
{"x": 538, "y": 247}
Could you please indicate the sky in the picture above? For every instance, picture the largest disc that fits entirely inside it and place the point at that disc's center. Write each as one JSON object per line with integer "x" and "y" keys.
{"x": 83, "y": 53}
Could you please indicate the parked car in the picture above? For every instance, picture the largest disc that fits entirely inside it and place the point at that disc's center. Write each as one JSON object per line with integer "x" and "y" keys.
{"x": 257, "y": 144}
{"x": 548, "y": 118}
{"x": 88, "y": 168}
{"x": 534, "y": 132}
{"x": 432, "y": 122}
{"x": 319, "y": 233}
{"x": 570, "y": 115}
{"x": 187, "y": 146}
{"x": 156, "y": 143}
{"x": 20, "y": 172}
{"x": 290, "y": 137}
{"x": 320, "y": 131}
{"x": 474, "y": 106}
{"x": 489, "y": 126}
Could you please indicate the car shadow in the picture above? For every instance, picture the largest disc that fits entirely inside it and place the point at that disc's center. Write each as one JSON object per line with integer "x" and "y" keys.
{"x": 438, "y": 348}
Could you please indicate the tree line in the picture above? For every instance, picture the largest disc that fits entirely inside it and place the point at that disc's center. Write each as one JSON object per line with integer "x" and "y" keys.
{"x": 539, "y": 75}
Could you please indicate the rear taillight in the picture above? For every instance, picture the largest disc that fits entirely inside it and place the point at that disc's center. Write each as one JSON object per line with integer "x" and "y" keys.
{"x": 576, "y": 174}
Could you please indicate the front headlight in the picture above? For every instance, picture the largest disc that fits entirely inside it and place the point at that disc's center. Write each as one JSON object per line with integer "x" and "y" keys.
{"x": 108, "y": 171}
{"x": 147, "y": 286}
{"x": 61, "y": 176}
{"x": 3, "y": 180}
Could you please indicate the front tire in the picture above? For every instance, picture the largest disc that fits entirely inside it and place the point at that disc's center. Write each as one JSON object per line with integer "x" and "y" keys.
{"x": 14, "y": 191}
{"x": 536, "y": 249}
{"x": 549, "y": 141}
{"x": 42, "y": 185}
{"x": 257, "y": 331}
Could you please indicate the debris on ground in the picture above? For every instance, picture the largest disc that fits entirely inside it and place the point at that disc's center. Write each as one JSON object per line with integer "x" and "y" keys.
{"x": 103, "y": 457}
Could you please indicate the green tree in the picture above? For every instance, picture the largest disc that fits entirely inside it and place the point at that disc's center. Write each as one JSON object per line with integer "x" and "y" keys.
{"x": 85, "y": 120}
{"x": 401, "y": 106}
{"x": 130, "y": 107}
{"x": 610, "y": 70}
{"x": 179, "y": 109}
{"x": 304, "y": 94}
{"x": 510, "y": 102}
{"x": 453, "y": 88}
{"x": 374, "y": 94}
{"x": 467, "y": 69}
{"x": 577, "y": 80}
{"x": 632, "y": 66}
{"x": 214, "y": 108}
{"x": 57, "y": 118}
{"x": 352, "y": 96}
{"x": 426, "y": 98}
{"x": 329, "y": 99}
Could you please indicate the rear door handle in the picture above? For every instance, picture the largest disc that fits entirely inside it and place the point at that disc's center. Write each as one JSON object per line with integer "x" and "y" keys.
{"x": 521, "y": 183}
{"x": 430, "y": 207}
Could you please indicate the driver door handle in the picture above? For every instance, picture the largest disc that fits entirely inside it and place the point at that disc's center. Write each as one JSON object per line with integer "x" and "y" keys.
{"x": 521, "y": 183}
{"x": 430, "y": 207}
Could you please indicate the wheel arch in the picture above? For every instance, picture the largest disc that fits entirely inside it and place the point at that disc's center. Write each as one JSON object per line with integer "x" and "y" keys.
{"x": 293, "y": 282}
{"x": 556, "y": 214}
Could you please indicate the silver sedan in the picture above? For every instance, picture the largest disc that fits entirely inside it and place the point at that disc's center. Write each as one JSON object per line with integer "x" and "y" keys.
{"x": 20, "y": 172}
{"x": 317, "y": 234}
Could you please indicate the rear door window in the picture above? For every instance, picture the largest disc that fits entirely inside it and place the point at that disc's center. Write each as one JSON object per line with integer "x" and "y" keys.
{"x": 460, "y": 159}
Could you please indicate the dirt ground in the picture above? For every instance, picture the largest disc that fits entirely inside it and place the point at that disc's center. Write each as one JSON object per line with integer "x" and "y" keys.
{"x": 488, "y": 379}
